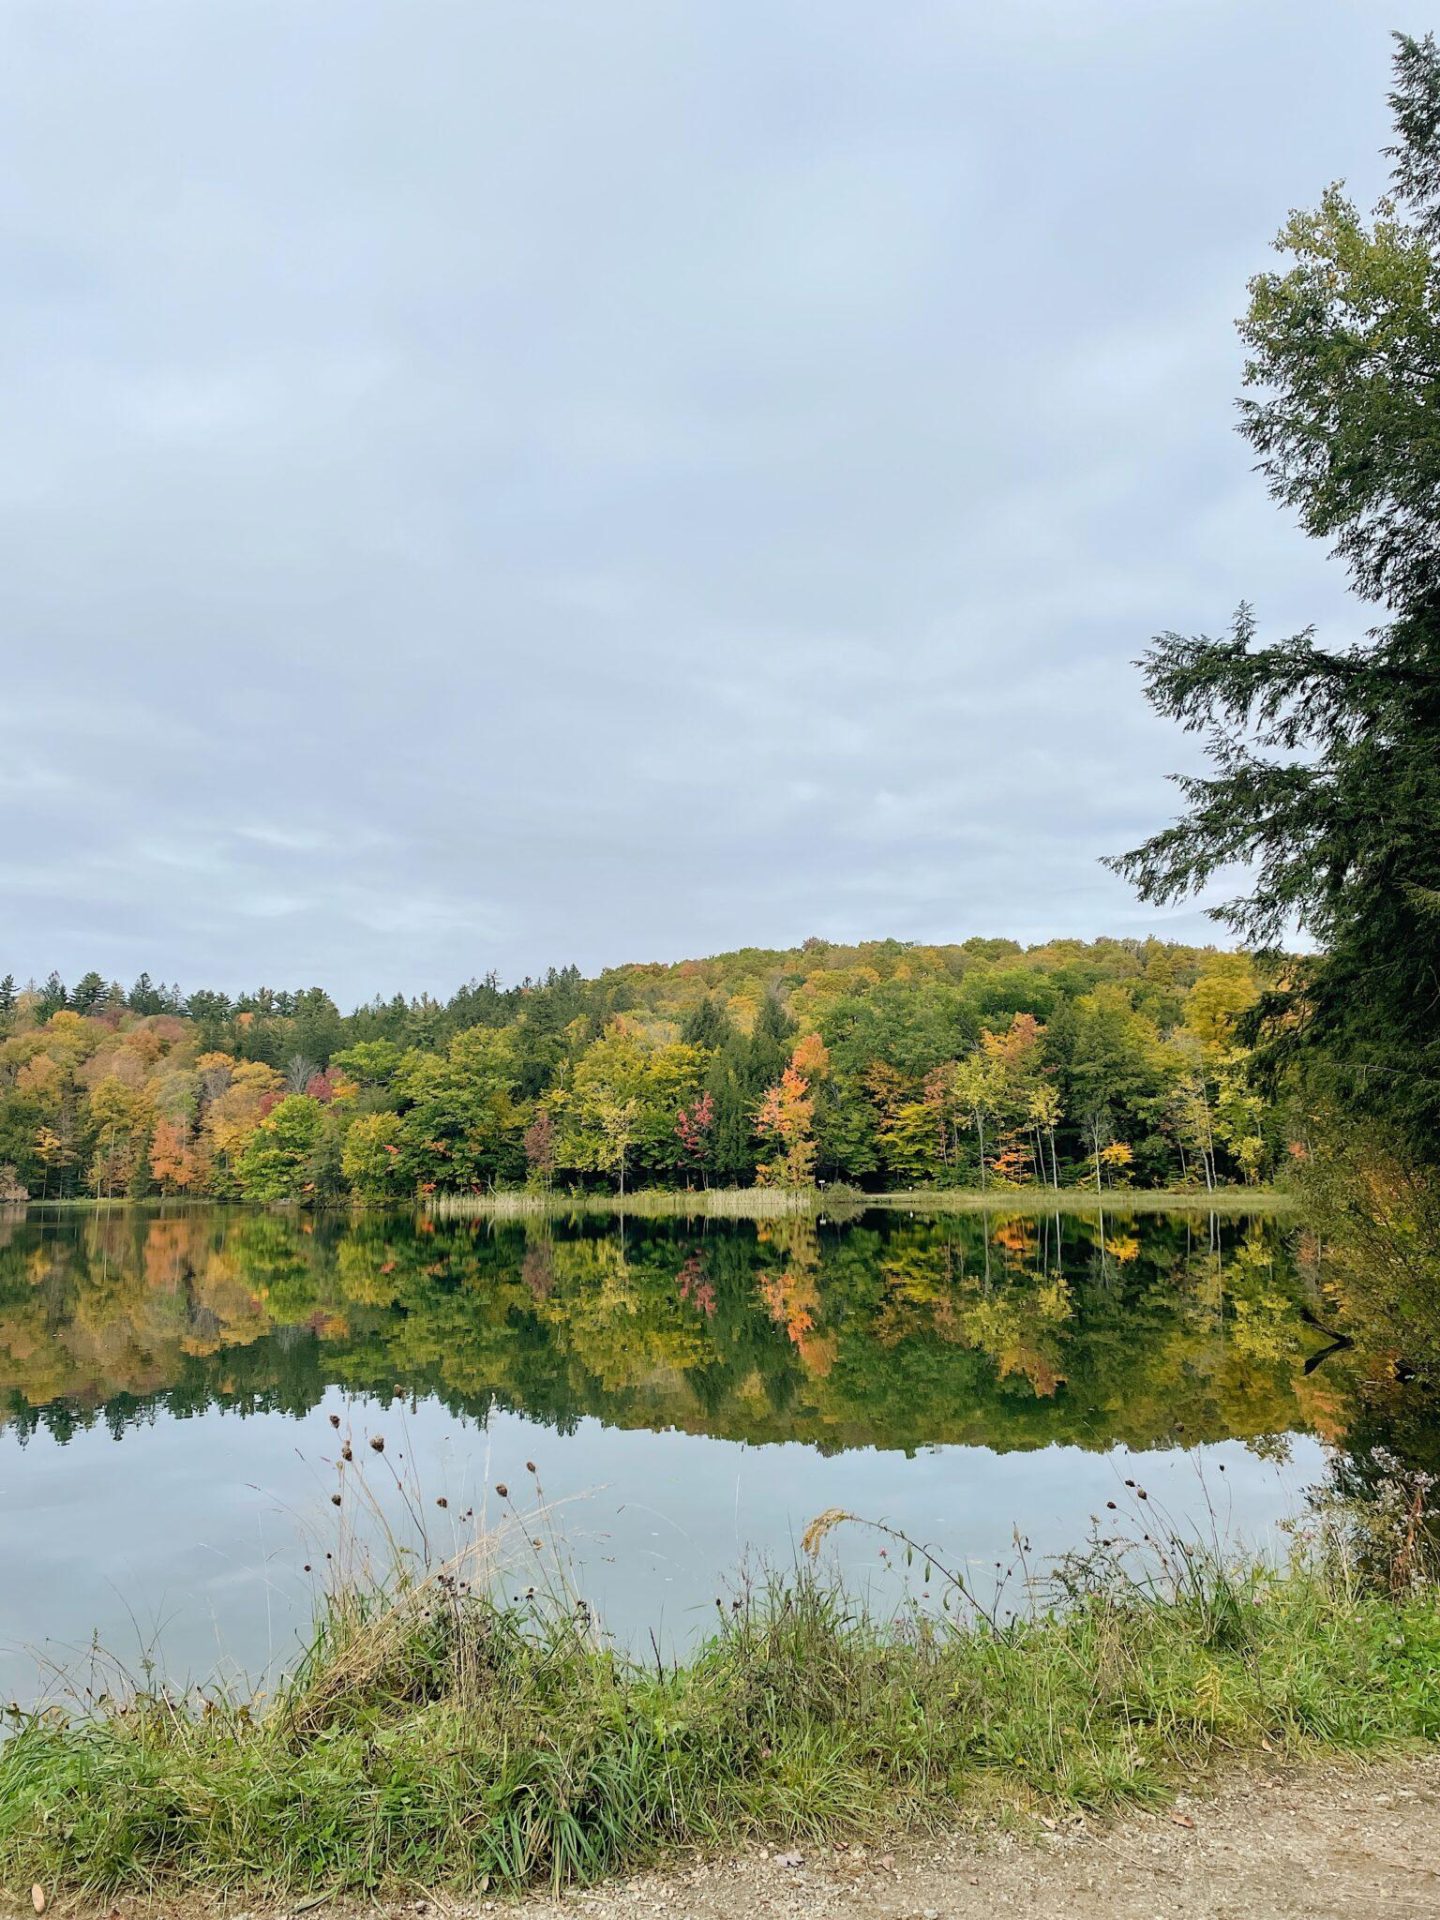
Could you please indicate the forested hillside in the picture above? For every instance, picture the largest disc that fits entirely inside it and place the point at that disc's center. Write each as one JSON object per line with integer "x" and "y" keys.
{"x": 883, "y": 1065}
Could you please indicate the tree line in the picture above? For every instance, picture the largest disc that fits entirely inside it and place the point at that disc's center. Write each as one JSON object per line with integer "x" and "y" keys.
{"x": 884, "y": 1065}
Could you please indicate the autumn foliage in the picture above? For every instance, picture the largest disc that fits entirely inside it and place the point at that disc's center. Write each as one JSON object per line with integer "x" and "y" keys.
{"x": 885, "y": 1065}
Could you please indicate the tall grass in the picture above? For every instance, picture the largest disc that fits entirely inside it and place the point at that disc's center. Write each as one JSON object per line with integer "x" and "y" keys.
{"x": 843, "y": 1202}
{"x": 434, "y": 1737}
{"x": 700, "y": 1203}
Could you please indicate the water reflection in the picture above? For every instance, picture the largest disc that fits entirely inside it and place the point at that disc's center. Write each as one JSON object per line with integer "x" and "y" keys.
{"x": 708, "y": 1388}
{"x": 892, "y": 1333}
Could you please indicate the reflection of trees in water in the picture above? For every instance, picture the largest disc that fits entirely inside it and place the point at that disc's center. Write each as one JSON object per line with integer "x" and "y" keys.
{"x": 1371, "y": 1255}
{"x": 1010, "y": 1332}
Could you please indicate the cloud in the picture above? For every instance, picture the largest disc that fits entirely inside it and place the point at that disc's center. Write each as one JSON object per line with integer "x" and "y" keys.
{"x": 486, "y": 486}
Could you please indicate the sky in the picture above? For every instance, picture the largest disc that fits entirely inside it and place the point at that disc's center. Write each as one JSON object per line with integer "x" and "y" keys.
{"x": 495, "y": 485}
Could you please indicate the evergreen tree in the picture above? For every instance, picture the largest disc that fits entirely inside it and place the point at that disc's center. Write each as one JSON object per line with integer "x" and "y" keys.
{"x": 88, "y": 993}
{"x": 1325, "y": 764}
{"x": 145, "y": 997}
{"x": 731, "y": 1085}
{"x": 709, "y": 1026}
{"x": 211, "y": 1013}
{"x": 770, "y": 1042}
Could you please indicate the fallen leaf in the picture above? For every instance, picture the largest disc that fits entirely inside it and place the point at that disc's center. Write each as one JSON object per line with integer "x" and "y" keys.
{"x": 37, "y": 1897}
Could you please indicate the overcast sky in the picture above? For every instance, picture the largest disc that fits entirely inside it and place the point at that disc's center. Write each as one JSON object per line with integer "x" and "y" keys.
{"x": 487, "y": 485}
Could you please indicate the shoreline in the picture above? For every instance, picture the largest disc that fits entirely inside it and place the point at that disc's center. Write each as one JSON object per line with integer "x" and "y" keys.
{"x": 839, "y": 1204}
{"x": 433, "y": 1739}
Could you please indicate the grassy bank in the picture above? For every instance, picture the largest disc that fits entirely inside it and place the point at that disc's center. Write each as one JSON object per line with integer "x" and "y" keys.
{"x": 772, "y": 1203}
{"x": 433, "y": 1739}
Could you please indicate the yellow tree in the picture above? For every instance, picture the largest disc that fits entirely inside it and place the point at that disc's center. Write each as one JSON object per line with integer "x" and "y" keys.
{"x": 55, "y": 1151}
{"x": 1043, "y": 1110}
{"x": 123, "y": 1118}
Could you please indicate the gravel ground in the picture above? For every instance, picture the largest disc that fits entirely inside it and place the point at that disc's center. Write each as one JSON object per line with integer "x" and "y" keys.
{"x": 1308, "y": 1845}
{"x": 1357, "y": 1843}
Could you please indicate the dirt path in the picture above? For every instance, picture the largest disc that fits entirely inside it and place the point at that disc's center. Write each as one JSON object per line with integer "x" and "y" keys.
{"x": 1362, "y": 1844}
{"x": 1342, "y": 1843}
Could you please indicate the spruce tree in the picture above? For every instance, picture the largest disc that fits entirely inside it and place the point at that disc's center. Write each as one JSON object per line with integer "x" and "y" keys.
{"x": 1324, "y": 777}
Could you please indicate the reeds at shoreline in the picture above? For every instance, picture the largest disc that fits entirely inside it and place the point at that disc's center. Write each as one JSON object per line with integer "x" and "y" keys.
{"x": 434, "y": 1736}
{"x": 841, "y": 1203}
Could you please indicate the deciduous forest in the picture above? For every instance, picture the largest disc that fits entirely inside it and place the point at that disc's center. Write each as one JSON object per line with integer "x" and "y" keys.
{"x": 880, "y": 1066}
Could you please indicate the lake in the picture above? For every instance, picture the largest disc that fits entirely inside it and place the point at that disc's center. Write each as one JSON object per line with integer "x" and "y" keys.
{"x": 689, "y": 1395}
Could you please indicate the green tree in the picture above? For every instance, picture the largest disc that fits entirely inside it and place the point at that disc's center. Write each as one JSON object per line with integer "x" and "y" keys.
{"x": 371, "y": 1159}
{"x": 211, "y": 1013}
{"x": 463, "y": 1120}
{"x": 1118, "y": 1080}
{"x": 620, "y": 1102}
{"x": 1344, "y": 346}
{"x": 373, "y": 1063}
{"x": 709, "y": 1026}
{"x": 88, "y": 993}
{"x": 317, "y": 1030}
{"x": 275, "y": 1163}
{"x": 146, "y": 997}
{"x": 1325, "y": 763}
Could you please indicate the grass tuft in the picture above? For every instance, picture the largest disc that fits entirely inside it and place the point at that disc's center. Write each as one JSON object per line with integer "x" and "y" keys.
{"x": 433, "y": 1737}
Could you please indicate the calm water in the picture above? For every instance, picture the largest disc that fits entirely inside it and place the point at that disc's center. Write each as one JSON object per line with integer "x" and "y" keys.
{"x": 692, "y": 1394}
